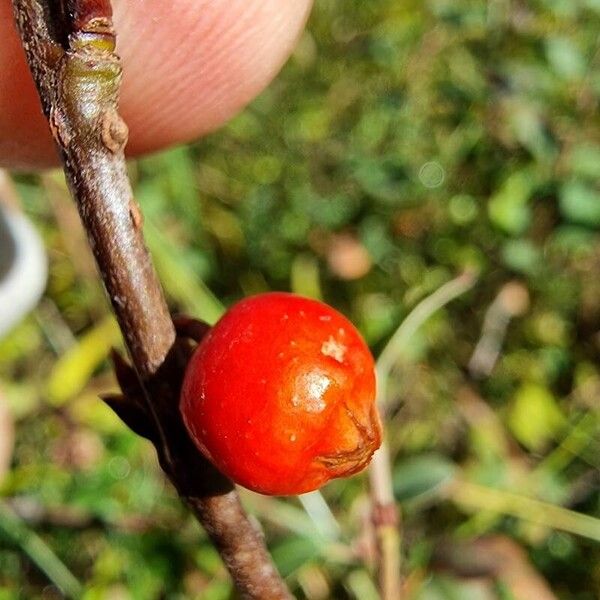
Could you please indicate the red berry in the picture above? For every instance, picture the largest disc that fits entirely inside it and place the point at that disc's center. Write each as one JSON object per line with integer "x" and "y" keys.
{"x": 280, "y": 395}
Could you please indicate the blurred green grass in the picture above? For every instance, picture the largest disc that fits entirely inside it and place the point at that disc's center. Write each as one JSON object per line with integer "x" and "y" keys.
{"x": 404, "y": 143}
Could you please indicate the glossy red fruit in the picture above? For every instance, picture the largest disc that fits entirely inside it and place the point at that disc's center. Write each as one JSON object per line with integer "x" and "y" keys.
{"x": 280, "y": 395}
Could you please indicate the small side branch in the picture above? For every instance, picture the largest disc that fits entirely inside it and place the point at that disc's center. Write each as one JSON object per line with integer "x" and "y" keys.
{"x": 386, "y": 515}
{"x": 70, "y": 48}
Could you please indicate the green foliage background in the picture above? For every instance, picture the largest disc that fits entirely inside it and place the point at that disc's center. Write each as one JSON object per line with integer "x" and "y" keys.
{"x": 435, "y": 136}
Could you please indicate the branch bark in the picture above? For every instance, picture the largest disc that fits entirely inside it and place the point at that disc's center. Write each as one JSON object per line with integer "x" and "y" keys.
{"x": 70, "y": 48}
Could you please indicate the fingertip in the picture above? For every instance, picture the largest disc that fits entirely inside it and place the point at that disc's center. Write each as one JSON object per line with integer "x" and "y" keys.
{"x": 213, "y": 60}
{"x": 188, "y": 67}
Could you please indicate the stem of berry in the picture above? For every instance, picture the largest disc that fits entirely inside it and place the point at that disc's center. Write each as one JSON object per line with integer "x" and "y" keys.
{"x": 70, "y": 46}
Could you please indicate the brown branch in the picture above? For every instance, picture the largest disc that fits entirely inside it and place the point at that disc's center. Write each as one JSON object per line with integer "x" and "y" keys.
{"x": 69, "y": 46}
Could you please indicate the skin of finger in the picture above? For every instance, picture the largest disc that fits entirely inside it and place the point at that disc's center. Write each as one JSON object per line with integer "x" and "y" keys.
{"x": 189, "y": 65}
